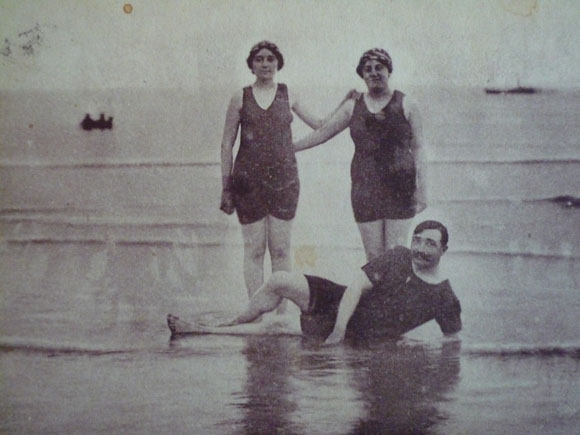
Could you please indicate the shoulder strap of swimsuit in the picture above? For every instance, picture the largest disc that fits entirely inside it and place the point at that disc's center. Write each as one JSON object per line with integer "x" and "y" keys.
{"x": 359, "y": 102}
{"x": 282, "y": 92}
{"x": 246, "y": 93}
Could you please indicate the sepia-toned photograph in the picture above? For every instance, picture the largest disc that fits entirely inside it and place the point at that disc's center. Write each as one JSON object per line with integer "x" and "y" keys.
{"x": 289, "y": 217}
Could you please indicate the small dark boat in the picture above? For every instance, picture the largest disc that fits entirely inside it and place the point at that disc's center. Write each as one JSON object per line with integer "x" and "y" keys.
{"x": 516, "y": 90}
{"x": 102, "y": 124}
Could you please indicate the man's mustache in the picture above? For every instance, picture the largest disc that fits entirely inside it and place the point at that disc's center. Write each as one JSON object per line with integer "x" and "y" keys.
{"x": 421, "y": 255}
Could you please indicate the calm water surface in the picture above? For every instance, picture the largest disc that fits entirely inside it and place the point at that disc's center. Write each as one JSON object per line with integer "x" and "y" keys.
{"x": 88, "y": 359}
{"x": 104, "y": 234}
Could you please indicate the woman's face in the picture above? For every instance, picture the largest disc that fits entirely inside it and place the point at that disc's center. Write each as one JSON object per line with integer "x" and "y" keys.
{"x": 375, "y": 75}
{"x": 265, "y": 64}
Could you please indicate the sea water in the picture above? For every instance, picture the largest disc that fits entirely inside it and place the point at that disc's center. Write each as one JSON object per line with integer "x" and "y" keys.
{"x": 105, "y": 232}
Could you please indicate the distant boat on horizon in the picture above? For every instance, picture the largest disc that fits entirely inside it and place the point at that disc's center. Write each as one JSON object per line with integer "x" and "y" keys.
{"x": 518, "y": 89}
{"x": 102, "y": 124}
{"x": 515, "y": 90}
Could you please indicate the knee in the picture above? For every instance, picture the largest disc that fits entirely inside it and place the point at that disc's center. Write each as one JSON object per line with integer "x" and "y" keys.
{"x": 255, "y": 251}
{"x": 279, "y": 253}
{"x": 281, "y": 280}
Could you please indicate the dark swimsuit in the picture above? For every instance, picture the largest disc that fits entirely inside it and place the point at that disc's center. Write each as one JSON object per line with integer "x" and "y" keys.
{"x": 265, "y": 176}
{"x": 398, "y": 302}
{"x": 377, "y": 193}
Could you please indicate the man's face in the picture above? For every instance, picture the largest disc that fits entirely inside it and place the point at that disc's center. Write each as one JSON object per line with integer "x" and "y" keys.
{"x": 426, "y": 249}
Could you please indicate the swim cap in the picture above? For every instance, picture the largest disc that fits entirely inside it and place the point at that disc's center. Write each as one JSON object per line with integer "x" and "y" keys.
{"x": 377, "y": 54}
{"x": 268, "y": 45}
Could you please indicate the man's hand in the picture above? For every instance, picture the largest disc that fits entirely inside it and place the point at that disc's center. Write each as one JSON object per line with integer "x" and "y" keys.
{"x": 336, "y": 337}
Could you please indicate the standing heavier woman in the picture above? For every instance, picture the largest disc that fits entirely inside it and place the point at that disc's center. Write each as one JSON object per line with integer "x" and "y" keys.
{"x": 262, "y": 186}
{"x": 388, "y": 166}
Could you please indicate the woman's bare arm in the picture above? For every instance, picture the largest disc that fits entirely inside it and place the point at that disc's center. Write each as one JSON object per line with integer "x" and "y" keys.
{"x": 419, "y": 151}
{"x": 308, "y": 117}
{"x": 231, "y": 127}
{"x": 337, "y": 123}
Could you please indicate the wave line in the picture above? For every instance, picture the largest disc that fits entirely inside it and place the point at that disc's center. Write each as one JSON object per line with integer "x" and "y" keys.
{"x": 527, "y": 351}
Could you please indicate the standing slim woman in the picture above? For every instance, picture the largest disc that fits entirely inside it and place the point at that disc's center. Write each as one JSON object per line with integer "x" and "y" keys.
{"x": 262, "y": 186}
{"x": 387, "y": 169}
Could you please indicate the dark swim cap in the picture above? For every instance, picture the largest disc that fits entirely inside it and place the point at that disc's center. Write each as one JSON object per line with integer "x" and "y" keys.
{"x": 377, "y": 54}
{"x": 268, "y": 45}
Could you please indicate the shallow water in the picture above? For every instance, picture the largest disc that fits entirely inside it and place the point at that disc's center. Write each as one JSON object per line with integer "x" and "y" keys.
{"x": 223, "y": 384}
{"x": 96, "y": 356}
{"x": 104, "y": 234}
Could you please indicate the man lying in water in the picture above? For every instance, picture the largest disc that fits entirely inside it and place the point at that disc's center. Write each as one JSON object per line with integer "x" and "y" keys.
{"x": 389, "y": 296}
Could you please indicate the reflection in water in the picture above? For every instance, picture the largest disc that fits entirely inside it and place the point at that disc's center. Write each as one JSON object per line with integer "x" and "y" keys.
{"x": 378, "y": 388}
{"x": 402, "y": 385}
{"x": 266, "y": 398}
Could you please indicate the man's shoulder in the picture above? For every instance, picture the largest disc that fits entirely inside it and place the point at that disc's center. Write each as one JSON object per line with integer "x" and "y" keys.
{"x": 390, "y": 267}
{"x": 400, "y": 250}
{"x": 446, "y": 293}
{"x": 400, "y": 254}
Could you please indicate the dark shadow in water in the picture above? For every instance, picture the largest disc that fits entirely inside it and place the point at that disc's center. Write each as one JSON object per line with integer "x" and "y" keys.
{"x": 402, "y": 385}
{"x": 265, "y": 398}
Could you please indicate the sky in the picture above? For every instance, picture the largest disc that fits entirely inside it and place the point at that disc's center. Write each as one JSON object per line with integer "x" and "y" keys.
{"x": 194, "y": 44}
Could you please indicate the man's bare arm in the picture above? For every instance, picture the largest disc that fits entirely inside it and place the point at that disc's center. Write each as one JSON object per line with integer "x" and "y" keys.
{"x": 359, "y": 285}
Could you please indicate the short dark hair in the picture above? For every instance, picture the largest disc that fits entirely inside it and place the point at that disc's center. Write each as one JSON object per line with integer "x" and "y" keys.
{"x": 269, "y": 46}
{"x": 434, "y": 225}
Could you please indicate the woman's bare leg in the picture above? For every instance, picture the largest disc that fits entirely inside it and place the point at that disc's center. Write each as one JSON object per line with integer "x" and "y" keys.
{"x": 254, "y": 236}
{"x": 280, "y": 243}
{"x": 373, "y": 238}
{"x": 397, "y": 232}
{"x": 280, "y": 247}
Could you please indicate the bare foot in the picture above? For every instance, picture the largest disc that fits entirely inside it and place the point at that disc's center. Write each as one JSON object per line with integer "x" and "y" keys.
{"x": 178, "y": 326}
